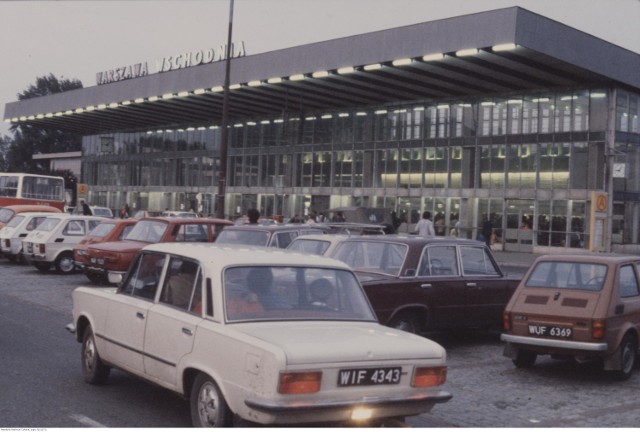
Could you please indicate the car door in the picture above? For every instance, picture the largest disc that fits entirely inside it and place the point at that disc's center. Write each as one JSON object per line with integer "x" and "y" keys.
{"x": 172, "y": 322}
{"x": 443, "y": 289}
{"x": 487, "y": 290}
{"x": 128, "y": 313}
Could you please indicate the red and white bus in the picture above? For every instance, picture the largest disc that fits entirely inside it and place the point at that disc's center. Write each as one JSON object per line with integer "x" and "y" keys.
{"x": 20, "y": 188}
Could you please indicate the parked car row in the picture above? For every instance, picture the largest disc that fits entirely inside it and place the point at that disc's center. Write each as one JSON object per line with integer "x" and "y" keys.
{"x": 180, "y": 298}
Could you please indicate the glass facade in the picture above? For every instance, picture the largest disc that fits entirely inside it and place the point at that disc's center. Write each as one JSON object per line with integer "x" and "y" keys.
{"x": 526, "y": 162}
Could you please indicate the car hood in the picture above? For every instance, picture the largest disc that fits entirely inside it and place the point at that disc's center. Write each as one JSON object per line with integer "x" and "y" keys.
{"x": 119, "y": 246}
{"x": 332, "y": 342}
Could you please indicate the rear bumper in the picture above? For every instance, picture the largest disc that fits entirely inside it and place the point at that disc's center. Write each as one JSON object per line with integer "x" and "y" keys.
{"x": 342, "y": 411}
{"x": 555, "y": 343}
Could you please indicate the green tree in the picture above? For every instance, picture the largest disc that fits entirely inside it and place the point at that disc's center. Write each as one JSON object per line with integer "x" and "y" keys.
{"x": 31, "y": 139}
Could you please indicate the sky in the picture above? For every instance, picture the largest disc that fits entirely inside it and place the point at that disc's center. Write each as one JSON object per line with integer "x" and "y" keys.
{"x": 76, "y": 39}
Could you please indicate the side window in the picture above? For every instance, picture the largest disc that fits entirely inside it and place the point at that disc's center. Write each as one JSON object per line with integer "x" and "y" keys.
{"x": 180, "y": 281}
{"x": 438, "y": 261}
{"x": 627, "y": 282}
{"x": 93, "y": 224}
{"x": 192, "y": 233}
{"x": 282, "y": 240}
{"x": 125, "y": 231}
{"x": 74, "y": 228}
{"x": 476, "y": 261}
{"x": 144, "y": 276}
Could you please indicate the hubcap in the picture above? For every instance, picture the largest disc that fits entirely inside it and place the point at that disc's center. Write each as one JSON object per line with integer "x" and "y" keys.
{"x": 89, "y": 354}
{"x": 627, "y": 358}
{"x": 208, "y": 405}
{"x": 66, "y": 265}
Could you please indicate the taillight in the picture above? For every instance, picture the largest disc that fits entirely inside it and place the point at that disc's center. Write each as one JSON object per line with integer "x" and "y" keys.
{"x": 41, "y": 248}
{"x": 299, "y": 382}
{"x": 506, "y": 321}
{"x": 429, "y": 376}
{"x": 598, "y": 329}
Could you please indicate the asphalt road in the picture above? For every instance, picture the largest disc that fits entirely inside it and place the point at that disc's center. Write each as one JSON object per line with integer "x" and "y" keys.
{"x": 42, "y": 385}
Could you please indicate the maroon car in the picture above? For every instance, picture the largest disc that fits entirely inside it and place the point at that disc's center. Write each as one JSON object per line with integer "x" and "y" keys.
{"x": 115, "y": 256}
{"x": 107, "y": 231}
{"x": 420, "y": 284}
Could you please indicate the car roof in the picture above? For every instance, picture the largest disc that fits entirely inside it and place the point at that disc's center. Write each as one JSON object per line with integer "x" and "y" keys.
{"x": 416, "y": 240}
{"x": 188, "y": 220}
{"x": 273, "y": 227}
{"x": 21, "y": 208}
{"x": 225, "y": 255}
{"x": 589, "y": 258}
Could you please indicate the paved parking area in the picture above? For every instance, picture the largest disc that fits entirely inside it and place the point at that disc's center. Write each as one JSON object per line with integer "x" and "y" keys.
{"x": 488, "y": 390}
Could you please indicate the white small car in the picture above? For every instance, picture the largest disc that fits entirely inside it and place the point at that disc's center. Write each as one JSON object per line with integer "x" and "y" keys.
{"x": 265, "y": 336}
{"x": 53, "y": 241}
{"x": 17, "y": 229}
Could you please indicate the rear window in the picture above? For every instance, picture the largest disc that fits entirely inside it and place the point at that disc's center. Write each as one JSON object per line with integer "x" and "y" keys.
{"x": 568, "y": 275}
{"x": 15, "y": 221}
{"x": 255, "y": 238}
{"x": 315, "y": 247}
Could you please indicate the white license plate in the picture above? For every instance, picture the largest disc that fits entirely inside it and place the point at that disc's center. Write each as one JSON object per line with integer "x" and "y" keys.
{"x": 371, "y": 376}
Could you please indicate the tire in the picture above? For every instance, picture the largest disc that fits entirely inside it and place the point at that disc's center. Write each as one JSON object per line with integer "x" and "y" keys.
{"x": 208, "y": 406}
{"x": 407, "y": 322}
{"x": 525, "y": 359}
{"x": 42, "y": 266}
{"x": 93, "y": 369}
{"x": 65, "y": 264}
{"x": 628, "y": 354}
{"x": 96, "y": 278}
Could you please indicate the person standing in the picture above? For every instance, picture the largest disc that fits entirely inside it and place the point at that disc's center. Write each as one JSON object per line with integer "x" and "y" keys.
{"x": 253, "y": 215}
{"x": 86, "y": 210}
{"x": 487, "y": 230}
{"x": 424, "y": 227}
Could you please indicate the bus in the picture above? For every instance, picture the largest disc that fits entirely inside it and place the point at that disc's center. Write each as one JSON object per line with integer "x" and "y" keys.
{"x": 20, "y": 188}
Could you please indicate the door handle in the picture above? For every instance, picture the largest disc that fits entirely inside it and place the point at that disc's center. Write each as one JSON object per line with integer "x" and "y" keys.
{"x": 139, "y": 315}
{"x": 426, "y": 285}
{"x": 472, "y": 284}
{"x": 187, "y": 331}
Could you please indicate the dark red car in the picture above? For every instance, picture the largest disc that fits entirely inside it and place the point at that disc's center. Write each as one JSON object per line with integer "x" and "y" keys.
{"x": 107, "y": 231}
{"x": 115, "y": 256}
{"x": 420, "y": 284}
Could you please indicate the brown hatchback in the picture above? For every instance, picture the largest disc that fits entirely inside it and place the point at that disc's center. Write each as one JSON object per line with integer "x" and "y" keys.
{"x": 115, "y": 256}
{"x": 585, "y": 307}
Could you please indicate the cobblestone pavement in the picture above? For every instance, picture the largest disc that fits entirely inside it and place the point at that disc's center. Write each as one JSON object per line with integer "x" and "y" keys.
{"x": 488, "y": 391}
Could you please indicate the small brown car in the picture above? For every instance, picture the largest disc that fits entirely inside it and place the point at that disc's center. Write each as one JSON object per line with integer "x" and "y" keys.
{"x": 115, "y": 256}
{"x": 581, "y": 306}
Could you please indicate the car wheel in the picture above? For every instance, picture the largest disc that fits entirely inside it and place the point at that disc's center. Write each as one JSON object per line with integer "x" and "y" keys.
{"x": 628, "y": 353}
{"x": 525, "y": 359}
{"x": 94, "y": 370}
{"x": 208, "y": 407}
{"x": 406, "y": 322}
{"x": 42, "y": 266}
{"x": 95, "y": 278}
{"x": 64, "y": 263}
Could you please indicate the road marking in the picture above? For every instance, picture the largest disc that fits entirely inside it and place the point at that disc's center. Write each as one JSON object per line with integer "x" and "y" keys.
{"x": 86, "y": 421}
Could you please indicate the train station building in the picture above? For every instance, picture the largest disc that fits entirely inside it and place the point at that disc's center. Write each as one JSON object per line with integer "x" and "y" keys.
{"x": 503, "y": 115}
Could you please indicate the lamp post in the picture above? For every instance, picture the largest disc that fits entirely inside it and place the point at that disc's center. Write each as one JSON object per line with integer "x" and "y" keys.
{"x": 224, "y": 136}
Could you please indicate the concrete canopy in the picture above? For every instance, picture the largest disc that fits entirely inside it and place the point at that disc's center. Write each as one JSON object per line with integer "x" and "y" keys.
{"x": 542, "y": 54}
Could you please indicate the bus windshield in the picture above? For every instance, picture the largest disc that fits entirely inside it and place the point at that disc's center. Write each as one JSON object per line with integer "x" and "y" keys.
{"x": 20, "y": 188}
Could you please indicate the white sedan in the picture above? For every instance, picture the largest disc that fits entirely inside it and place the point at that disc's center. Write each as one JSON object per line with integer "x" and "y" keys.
{"x": 267, "y": 336}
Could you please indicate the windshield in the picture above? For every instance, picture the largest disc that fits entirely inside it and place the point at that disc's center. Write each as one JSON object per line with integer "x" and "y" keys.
{"x": 260, "y": 293}
{"x": 315, "y": 247}
{"x": 568, "y": 275}
{"x": 103, "y": 212}
{"x": 255, "y": 238}
{"x": 372, "y": 256}
{"x": 15, "y": 221}
{"x": 148, "y": 231}
{"x": 6, "y": 214}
